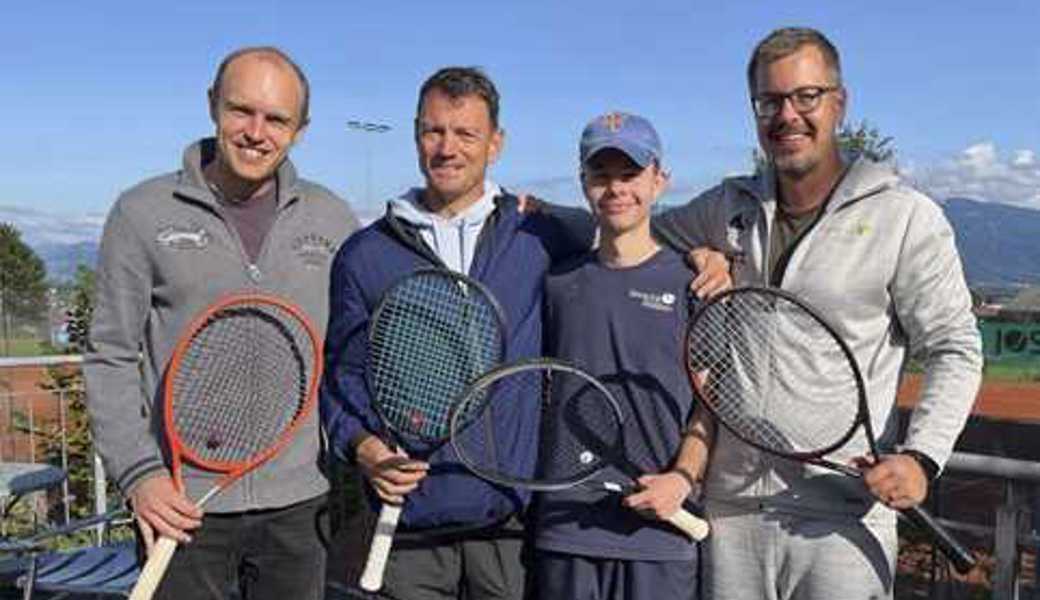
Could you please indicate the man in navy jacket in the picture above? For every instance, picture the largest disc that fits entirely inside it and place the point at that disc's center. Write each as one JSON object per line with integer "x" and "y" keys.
{"x": 458, "y": 534}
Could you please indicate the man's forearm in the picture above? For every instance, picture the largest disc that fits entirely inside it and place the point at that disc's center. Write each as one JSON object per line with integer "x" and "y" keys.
{"x": 695, "y": 448}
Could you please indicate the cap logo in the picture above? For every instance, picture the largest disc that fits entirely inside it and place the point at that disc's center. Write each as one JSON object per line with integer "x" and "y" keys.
{"x": 613, "y": 121}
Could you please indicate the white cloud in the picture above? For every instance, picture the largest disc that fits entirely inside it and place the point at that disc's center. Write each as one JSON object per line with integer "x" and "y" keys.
{"x": 39, "y": 227}
{"x": 983, "y": 172}
{"x": 1024, "y": 158}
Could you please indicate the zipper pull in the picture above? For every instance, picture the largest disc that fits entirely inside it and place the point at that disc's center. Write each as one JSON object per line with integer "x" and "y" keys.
{"x": 254, "y": 273}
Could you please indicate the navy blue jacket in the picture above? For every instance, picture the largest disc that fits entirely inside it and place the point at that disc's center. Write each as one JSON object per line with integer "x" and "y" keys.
{"x": 513, "y": 253}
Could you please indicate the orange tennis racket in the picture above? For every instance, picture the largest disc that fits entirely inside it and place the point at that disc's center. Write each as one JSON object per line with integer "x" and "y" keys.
{"x": 242, "y": 379}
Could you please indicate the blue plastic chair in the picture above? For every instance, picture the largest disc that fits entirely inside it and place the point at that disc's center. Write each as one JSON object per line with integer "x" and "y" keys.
{"x": 106, "y": 570}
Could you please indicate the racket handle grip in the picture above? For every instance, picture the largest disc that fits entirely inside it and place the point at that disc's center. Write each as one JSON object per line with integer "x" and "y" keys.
{"x": 959, "y": 556}
{"x": 154, "y": 569}
{"x": 695, "y": 527}
{"x": 379, "y": 552}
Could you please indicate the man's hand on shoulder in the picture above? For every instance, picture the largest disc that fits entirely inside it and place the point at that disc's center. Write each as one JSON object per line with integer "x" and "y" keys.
{"x": 713, "y": 274}
{"x": 529, "y": 204}
{"x": 162, "y": 510}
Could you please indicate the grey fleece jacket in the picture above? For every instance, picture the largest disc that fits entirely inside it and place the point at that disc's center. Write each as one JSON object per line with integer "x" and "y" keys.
{"x": 882, "y": 266}
{"x": 166, "y": 253}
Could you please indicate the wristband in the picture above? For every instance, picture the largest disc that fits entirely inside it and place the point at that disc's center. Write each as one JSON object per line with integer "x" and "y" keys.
{"x": 930, "y": 468}
{"x": 686, "y": 476}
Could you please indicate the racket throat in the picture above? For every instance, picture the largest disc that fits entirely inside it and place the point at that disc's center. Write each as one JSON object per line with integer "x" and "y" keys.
{"x": 207, "y": 496}
{"x": 624, "y": 489}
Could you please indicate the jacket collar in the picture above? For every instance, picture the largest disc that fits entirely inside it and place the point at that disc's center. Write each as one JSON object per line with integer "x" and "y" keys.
{"x": 863, "y": 178}
{"x": 192, "y": 183}
{"x": 407, "y": 232}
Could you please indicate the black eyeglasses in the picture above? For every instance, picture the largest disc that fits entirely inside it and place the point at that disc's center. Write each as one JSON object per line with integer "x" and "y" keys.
{"x": 804, "y": 100}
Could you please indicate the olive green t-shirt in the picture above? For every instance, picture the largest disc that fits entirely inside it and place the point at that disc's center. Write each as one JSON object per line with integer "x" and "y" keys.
{"x": 787, "y": 230}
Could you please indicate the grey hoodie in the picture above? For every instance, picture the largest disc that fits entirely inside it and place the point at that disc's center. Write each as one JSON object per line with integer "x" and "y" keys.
{"x": 881, "y": 264}
{"x": 166, "y": 253}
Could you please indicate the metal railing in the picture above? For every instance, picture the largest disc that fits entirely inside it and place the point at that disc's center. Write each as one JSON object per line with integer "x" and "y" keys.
{"x": 1016, "y": 518}
{"x": 28, "y": 412}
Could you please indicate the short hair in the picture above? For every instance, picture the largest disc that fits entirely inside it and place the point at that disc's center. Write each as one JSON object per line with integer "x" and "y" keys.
{"x": 268, "y": 52}
{"x": 785, "y": 42}
{"x": 456, "y": 82}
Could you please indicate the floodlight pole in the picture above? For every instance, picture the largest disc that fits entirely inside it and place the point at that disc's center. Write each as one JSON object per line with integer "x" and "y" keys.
{"x": 373, "y": 128}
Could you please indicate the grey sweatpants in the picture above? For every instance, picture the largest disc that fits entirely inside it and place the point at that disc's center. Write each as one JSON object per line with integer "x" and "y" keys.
{"x": 771, "y": 556}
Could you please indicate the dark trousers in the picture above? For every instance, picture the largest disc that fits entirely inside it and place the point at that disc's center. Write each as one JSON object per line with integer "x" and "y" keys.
{"x": 576, "y": 577}
{"x": 472, "y": 569}
{"x": 276, "y": 554}
{"x": 488, "y": 566}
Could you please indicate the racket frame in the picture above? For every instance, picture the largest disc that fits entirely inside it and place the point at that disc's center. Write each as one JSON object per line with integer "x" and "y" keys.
{"x": 479, "y": 391}
{"x": 371, "y": 579}
{"x": 234, "y": 470}
{"x": 958, "y": 555}
{"x": 159, "y": 558}
{"x": 814, "y": 457}
{"x": 392, "y": 435}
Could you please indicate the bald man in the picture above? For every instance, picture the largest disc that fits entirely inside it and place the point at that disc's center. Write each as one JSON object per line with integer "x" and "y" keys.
{"x": 234, "y": 217}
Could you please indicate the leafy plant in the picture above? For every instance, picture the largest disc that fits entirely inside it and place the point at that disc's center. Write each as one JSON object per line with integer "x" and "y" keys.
{"x": 67, "y": 383}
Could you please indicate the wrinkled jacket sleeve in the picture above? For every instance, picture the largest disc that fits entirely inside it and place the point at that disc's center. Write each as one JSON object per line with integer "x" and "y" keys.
{"x": 690, "y": 226}
{"x": 345, "y": 406}
{"x": 933, "y": 306}
{"x": 573, "y": 231}
{"x": 120, "y": 412}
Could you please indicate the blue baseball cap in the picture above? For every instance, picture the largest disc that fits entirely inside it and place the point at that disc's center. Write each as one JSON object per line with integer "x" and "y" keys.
{"x": 631, "y": 134}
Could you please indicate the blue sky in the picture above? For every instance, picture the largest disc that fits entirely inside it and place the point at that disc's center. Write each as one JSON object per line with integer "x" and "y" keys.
{"x": 100, "y": 95}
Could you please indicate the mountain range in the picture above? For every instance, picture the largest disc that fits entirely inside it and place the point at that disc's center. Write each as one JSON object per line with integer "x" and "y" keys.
{"x": 62, "y": 259}
{"x": 998, "y": 244}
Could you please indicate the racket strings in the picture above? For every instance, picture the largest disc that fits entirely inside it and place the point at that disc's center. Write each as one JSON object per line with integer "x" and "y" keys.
{"x": 241, "y": 382}
{"x": 587, "y": 431}
{"x": 431, "y": 337}
{"x": 580, "y": 431}
{"x": 773, "y": 373}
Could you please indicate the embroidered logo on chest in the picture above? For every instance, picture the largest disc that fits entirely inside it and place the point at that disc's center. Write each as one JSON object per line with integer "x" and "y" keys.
{"x": 850, "y": 231}
{"x": 739, "y": 226}
{"x": 178, "y": 237}
{"x": 313, "y": 249}
{"x": 662, "y": 301}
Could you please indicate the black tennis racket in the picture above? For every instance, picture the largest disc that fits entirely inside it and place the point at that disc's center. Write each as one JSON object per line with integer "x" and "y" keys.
{"x": 583, "y": 439}
{"x": 778, "y": 376}
{"x": 431, "y": 334}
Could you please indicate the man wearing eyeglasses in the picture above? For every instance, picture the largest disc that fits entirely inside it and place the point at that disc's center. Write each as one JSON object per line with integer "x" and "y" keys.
{"x": 878, "y": 259}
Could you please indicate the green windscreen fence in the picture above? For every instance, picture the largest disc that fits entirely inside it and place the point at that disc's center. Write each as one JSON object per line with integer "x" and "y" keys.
{"x": 1012, "y": 348}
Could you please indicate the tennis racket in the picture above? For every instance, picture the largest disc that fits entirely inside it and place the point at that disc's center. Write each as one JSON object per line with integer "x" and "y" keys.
{"x": 779, "y": 377}
{"x": 431, "y": 334}
{"x": 242, "y": 379}
{"x": 582, "y": 431}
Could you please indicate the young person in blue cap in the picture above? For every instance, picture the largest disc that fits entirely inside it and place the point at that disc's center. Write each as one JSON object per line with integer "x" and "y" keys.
{"x": 619, "y": 312}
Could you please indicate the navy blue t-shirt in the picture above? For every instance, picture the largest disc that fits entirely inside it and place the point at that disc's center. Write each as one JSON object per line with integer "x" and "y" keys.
{"x": 625, "y": 326}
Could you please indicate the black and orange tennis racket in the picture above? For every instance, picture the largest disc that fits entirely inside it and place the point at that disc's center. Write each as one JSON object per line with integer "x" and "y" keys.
{"x": 242, "y": 379}
{"x": 780, "y": 378}
{"x": 432, "y": 333}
